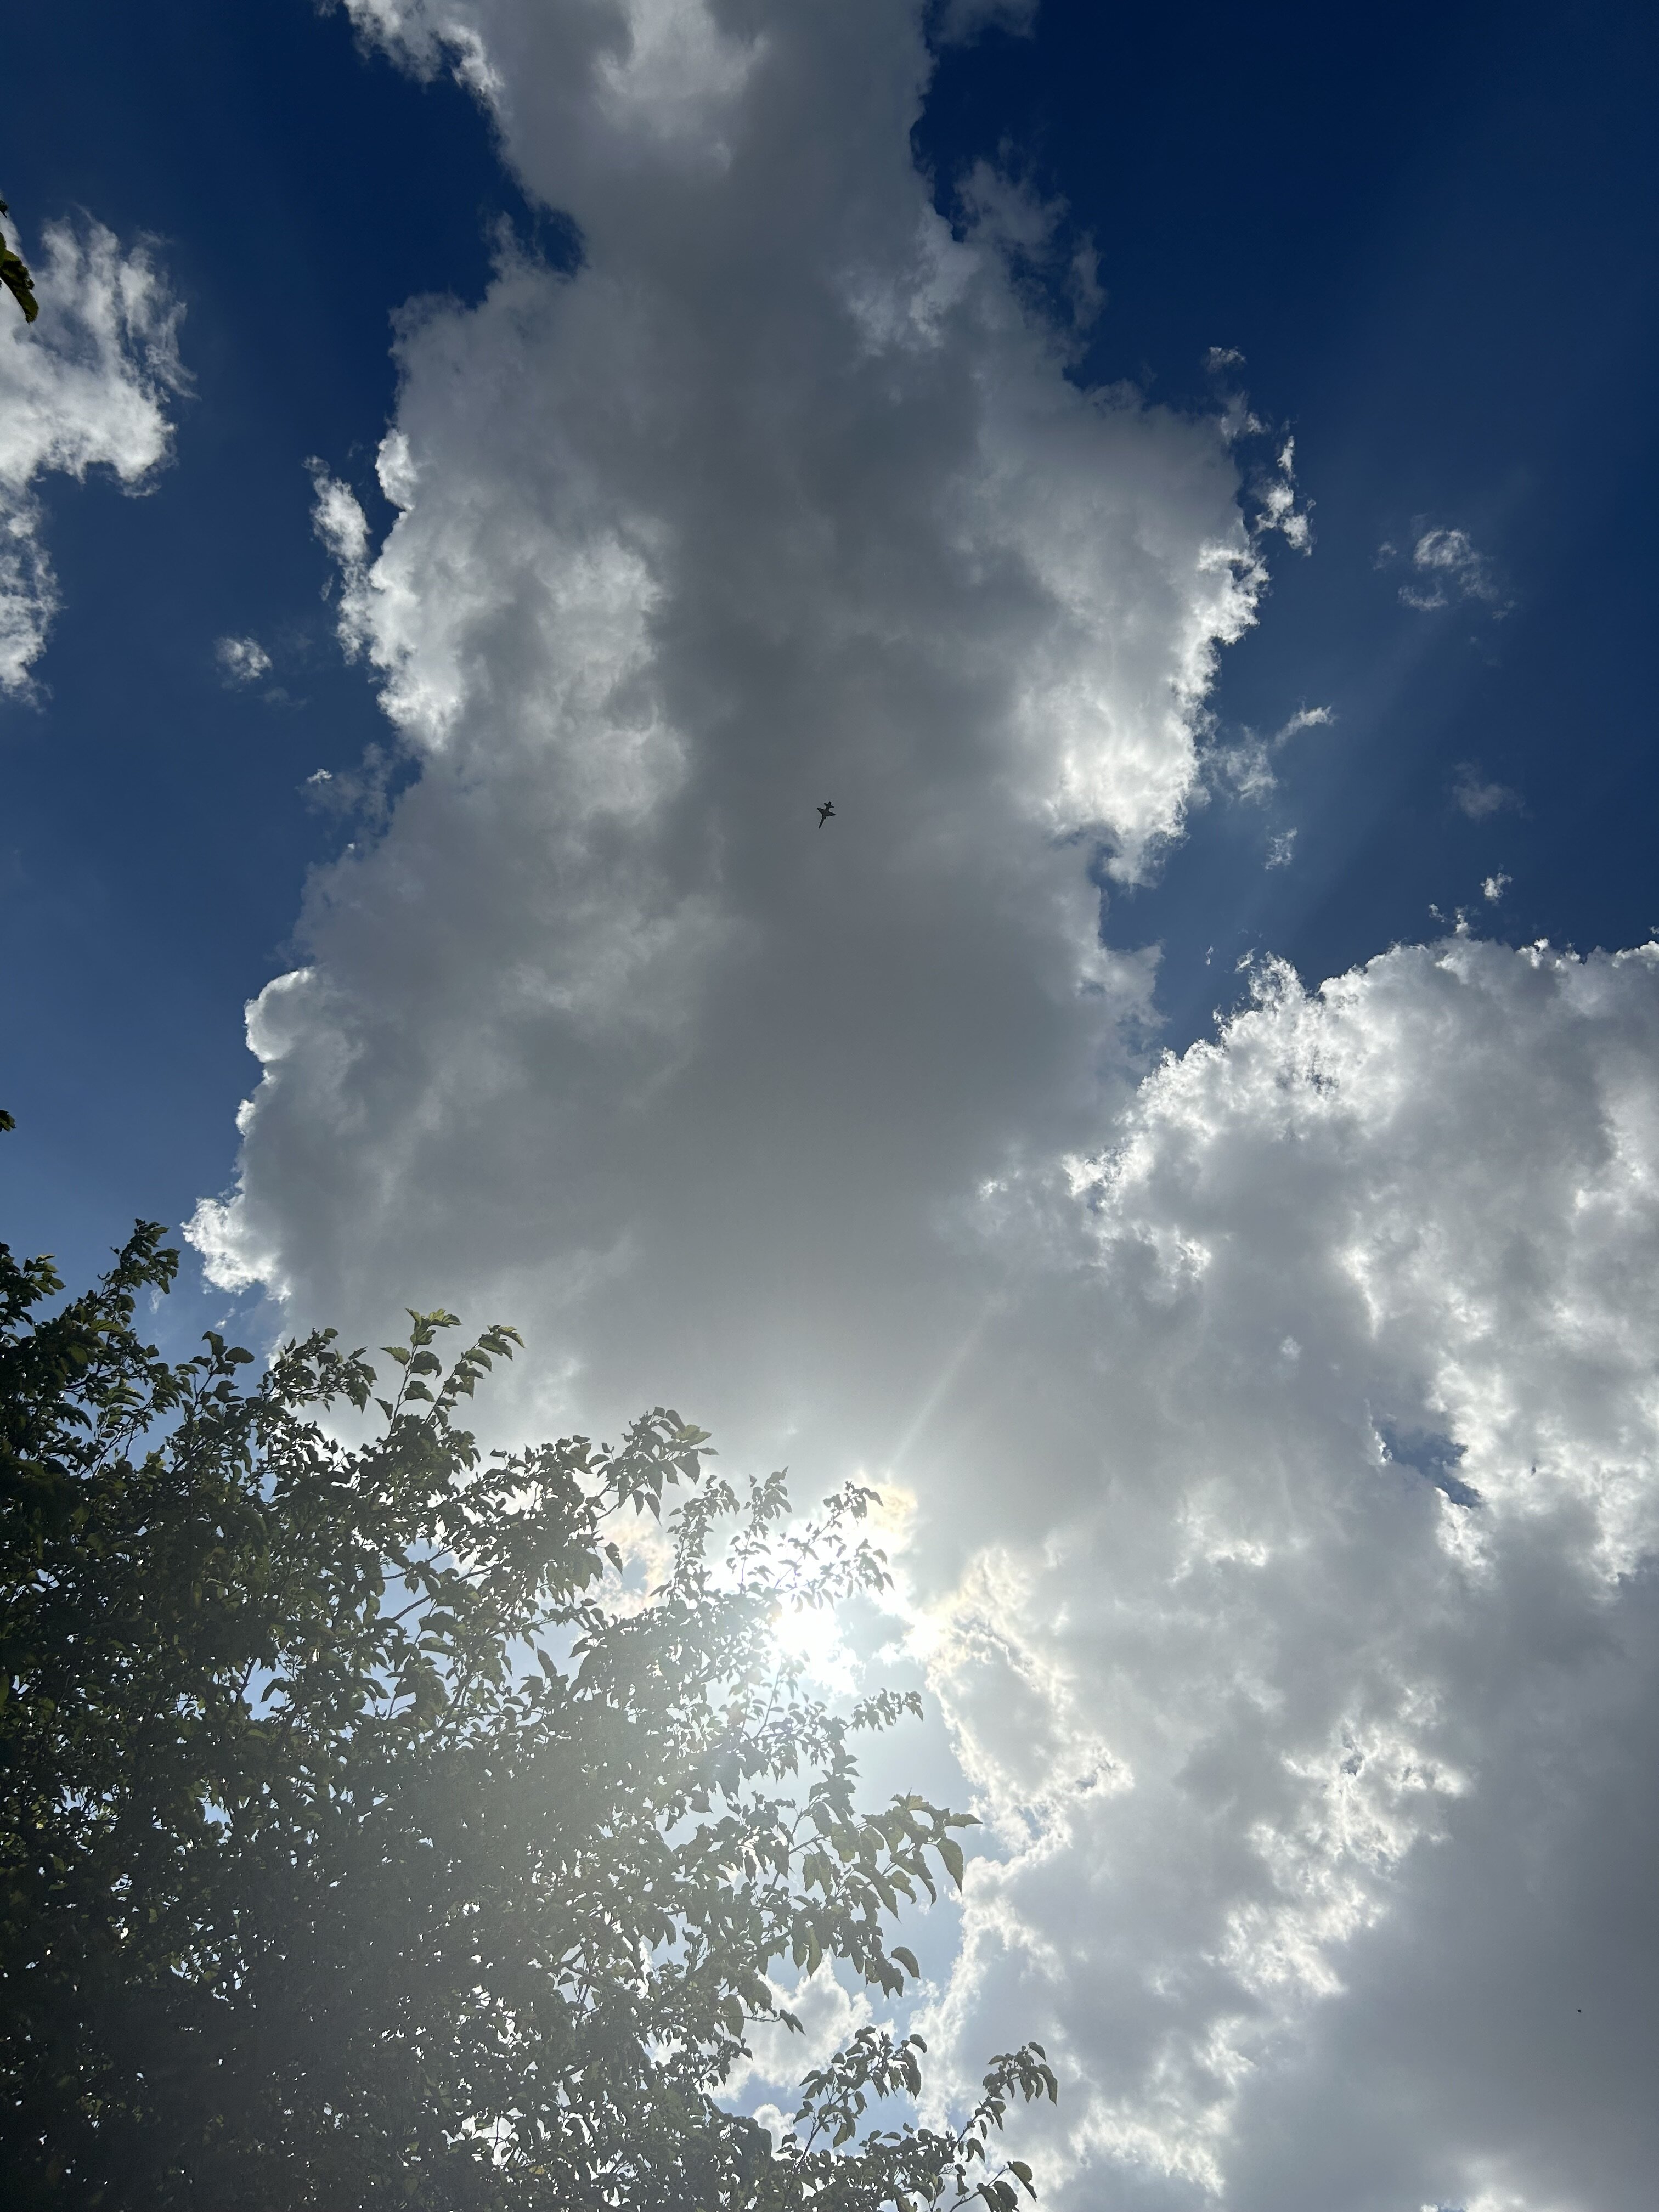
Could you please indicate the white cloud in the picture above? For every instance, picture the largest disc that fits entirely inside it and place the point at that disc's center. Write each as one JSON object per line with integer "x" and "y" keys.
{"x": 1478, "y": 796}
{"x": 1305, "y": 718}
{"x": 1447, "y": 567}
{"x": 1494, "y": 886}
{"x": 828, "y": 2015}
{"x": 241, "y": 659}
{"x": 1276, "y": 492}
{"x": 85, "y": 386}
{"x": 1244, "y": 766}
{"x": 1326, "y": 1800}
{"x": 786, "y": 496}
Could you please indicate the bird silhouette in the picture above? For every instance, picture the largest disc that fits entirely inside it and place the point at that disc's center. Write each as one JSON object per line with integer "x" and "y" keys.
{"x": 825, "y": 811}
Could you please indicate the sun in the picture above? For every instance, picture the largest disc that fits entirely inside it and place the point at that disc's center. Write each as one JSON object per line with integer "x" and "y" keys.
{"x": 809, "y": 1636}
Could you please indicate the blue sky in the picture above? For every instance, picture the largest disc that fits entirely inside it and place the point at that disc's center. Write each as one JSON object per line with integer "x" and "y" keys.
{"x": 157, "y": 834}
{"x": 1429, "y": 230}
{"x": 611, "y": 431}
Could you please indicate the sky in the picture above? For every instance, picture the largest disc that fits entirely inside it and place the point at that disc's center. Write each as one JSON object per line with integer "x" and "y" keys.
{"x": 1188, "y": 1128}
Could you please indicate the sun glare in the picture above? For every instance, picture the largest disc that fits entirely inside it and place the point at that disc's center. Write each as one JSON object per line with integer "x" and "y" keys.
{"x": 810, "y": 1636}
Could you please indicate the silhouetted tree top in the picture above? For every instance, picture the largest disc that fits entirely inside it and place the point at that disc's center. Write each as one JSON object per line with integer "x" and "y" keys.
{"x": 14, "y": 276}
{"x": 372, "y": 1835}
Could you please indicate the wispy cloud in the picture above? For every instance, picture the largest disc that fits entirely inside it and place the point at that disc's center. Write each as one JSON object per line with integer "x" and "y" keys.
{"x": 1446, "y": 569}
{"x": 1305, "y": 718}
{"x": 962, "y": 20}
{"x": 1243, "y": 765}
{"x": 1478, "y": 796}
{"x": 241, "y": 661}
{"x": 87, "y": 386}
{"x": 1280, "y": 507}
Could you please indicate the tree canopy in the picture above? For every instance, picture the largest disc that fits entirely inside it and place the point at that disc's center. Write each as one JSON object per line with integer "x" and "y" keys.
{"x": 372, "y": 1838}
{"x": 14, "y": 276}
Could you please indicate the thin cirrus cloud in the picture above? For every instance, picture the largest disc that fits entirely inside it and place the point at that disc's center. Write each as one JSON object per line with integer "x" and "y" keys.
{"x": 85, "y": 386}
{"x": 847, "y": 1142}
{"x": 1478, "y": 796}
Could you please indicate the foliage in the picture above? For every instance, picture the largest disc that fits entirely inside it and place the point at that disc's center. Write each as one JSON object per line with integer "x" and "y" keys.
{"x": 14, "y": 276}
{"x": 369, "y": 1839}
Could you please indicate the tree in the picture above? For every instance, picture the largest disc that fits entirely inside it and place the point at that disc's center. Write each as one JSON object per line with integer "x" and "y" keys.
{"x": 14, "y": 276}
{"x": 371, "y": 1839}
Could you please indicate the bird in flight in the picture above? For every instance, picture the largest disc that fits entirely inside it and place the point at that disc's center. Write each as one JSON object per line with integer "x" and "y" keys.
{"x": 825, "y": 811}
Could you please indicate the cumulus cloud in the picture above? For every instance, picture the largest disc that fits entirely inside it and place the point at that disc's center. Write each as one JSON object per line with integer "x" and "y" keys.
{"x": 241, "y": 659}
{"x": 845, "y": 1140}
{"x": 785, "y": 495}
{"x": 1316, "y": 1716}
{"x": 85, "y": 386}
